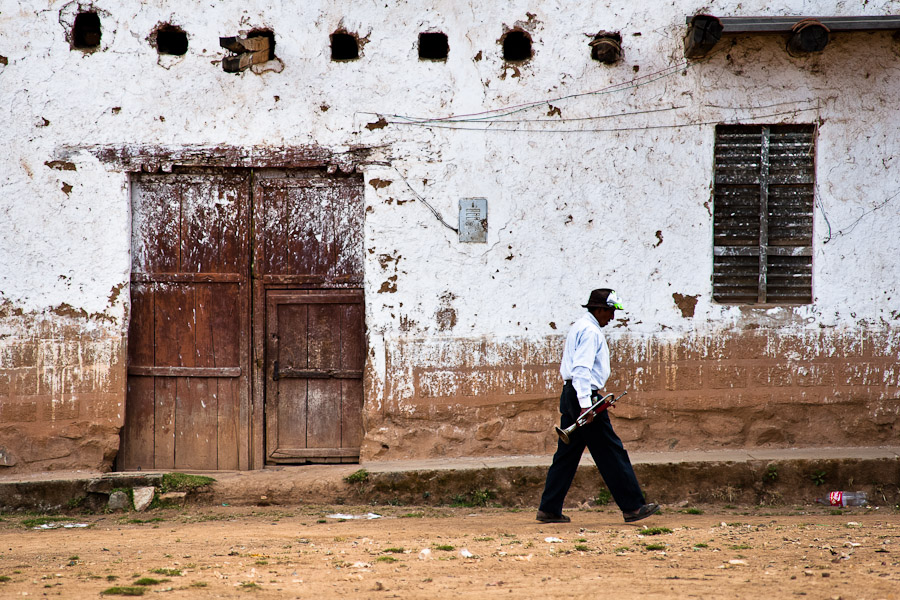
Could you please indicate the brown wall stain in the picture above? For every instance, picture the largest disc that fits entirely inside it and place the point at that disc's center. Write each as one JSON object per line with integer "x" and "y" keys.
{"x": 379, "y": 124}
{"x": 445, "y": 316}
{"x": 749, "y": 389}
{"x": 379, "y": 183}
{"x": 62, "y": 391}
{"x": 686, "y": 304}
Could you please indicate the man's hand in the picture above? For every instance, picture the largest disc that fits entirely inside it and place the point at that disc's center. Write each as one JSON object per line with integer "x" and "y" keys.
{"x": 589, "y": 413}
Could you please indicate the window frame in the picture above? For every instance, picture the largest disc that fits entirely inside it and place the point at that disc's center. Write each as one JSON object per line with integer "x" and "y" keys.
{"x": 780, "y": 168}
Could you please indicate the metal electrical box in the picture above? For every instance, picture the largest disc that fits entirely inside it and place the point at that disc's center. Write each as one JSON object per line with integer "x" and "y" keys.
{"x": 473, "y": 220}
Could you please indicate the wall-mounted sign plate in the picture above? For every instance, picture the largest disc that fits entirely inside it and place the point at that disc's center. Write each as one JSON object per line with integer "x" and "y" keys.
{"x": 473, "y": 220}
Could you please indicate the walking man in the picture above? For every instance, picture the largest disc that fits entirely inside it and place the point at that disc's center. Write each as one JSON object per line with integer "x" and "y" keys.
{"x": 585, "y": 369}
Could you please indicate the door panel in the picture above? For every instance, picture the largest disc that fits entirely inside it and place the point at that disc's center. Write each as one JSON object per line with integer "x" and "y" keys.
{"x": 196, "y": 411}
{"x": 188, "y": 342}
{"x": 314, "y": 375}
{"x": 230, "y": 440}
{"x": 308, "y": 268}
{"x": 174, "y": 322}
{"x": 351, "y": 413}
{"x": 309, "y": 228}
{"x": 324, "y": 414}
{"x": 140, "y": 424}
{"x": 165, "y": 390}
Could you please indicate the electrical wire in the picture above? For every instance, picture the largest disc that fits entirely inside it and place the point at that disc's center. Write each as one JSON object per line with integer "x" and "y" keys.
{"x": 846, "y": 230}
{"x": 490, "y": 127}
{"x": 425, "y": 202}
{"x": 509, "y": 110}
{"x": 566, "y": 119}
{"x": 616, "y": 87}
{"x": 490, "y": 118}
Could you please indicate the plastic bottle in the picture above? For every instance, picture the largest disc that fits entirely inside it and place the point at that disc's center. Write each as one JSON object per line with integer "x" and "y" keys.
{"x": 846, "y": 499}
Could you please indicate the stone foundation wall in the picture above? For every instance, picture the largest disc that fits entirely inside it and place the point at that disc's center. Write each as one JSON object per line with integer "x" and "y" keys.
{"x": 760, "y": 388}
{"x": 62, "y": 392}
{"x": 754, "y": 388}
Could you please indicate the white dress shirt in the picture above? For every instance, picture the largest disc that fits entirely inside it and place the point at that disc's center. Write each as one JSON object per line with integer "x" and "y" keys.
{"x": 585, "y": 358}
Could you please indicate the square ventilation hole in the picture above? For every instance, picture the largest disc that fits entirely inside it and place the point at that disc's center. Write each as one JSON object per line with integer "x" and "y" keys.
{"x": 433, "y": 46}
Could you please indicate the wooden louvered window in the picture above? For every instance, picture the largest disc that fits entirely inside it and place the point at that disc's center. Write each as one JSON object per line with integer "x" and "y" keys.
{"x": 763, "y": 214}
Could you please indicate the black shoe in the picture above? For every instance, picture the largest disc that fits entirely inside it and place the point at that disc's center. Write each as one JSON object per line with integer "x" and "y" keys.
{"x": 641, "y": 513}
{"x": 545, "y": 517}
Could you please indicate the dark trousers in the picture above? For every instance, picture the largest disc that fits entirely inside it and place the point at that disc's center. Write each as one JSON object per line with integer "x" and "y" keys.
{"x": 607, "y": 451}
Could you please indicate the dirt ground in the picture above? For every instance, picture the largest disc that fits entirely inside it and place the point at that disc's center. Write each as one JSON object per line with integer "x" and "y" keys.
{"x": 409, "y": 552}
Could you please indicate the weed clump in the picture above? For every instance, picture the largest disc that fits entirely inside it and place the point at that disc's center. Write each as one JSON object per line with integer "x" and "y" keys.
{"x": 182, "y": 482}
{"x": 603, "y": 497}
{"x": 360, "y": 476}
{"x": 124, "y": 591}
{"x": 472, "y": 499}
{"x": 38, "y": 521}
{"x": 654, "y": 530}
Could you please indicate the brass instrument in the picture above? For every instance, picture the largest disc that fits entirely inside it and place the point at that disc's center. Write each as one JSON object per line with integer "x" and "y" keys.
{"x": 599, "y": 406}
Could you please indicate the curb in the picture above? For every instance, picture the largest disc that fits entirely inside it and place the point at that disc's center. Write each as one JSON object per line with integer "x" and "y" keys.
{"x": 507, "y": 483}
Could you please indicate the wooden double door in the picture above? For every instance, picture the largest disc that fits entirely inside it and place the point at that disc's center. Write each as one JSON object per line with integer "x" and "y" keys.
{"x": 246, "y": 338}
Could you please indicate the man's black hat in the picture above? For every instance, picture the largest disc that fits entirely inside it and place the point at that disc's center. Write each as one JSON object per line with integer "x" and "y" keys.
{"x": 604, "y": 298}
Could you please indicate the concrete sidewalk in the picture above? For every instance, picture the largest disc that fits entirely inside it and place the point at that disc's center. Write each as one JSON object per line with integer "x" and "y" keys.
{"x": 770, "y": 476}
{"x": 642, "y": 458}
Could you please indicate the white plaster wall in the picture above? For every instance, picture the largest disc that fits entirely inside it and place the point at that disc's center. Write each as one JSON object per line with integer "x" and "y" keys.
{"x": 567, "y": 210}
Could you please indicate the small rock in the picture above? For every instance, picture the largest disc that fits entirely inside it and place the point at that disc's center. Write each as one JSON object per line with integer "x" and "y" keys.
{"x": 143, "y": 496}
{"x": 843, "y": 556}
{"x": 118, "y": 500}
{"x": 7, "y": 458}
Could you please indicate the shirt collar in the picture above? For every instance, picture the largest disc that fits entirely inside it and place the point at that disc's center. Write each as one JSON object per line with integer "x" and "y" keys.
{"x": 592, "y": 319}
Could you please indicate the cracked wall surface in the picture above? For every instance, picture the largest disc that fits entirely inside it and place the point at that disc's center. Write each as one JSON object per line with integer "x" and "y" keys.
{"x": 594, "y": 175}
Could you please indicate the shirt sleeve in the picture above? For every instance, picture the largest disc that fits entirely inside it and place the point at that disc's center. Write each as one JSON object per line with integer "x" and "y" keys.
{"x": 583, "y": 359}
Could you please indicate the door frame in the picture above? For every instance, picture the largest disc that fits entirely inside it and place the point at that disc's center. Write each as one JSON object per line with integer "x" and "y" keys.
{"x": 128, "y": 159}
